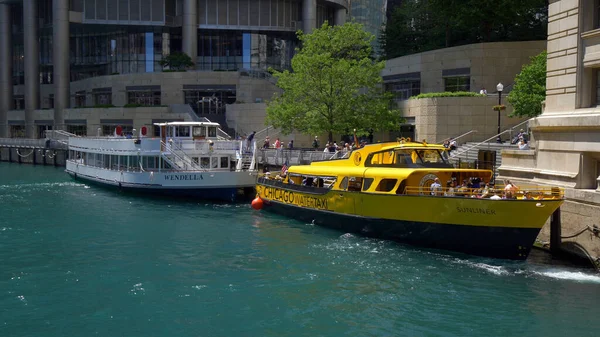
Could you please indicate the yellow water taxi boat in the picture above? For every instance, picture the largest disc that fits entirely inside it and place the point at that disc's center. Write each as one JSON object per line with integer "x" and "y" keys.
{"x": 409, "y": 192}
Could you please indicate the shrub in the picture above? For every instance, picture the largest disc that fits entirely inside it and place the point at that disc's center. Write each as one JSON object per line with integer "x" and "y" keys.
{"x": 448, "y": 94}
{"x": 132, "y": 105}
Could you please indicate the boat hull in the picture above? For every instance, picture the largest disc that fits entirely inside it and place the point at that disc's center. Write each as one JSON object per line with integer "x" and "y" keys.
{"x": 218, "y": 185}
{"x": 495, "y": 242}
{"x": 504, "y": 229}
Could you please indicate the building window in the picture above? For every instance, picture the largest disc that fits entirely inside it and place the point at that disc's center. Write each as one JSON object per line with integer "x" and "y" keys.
{"x": 50, "y": 101}
{"x": 209, "y": 100}
{"x": 404, "y": 90}
{"x": 19, "y": 102}
{"x": 80, "y": 99}
{"x": 17, "y": 131}
{"x": 102, "y": 98}
{"x": 596, "y": 14}
{"x": 458, "y": 83}
{"x": 144, "y": 96}
{"x": 41, "y": 130}
{"x": 79, "y": 130}
{"x": 110, "y": 129}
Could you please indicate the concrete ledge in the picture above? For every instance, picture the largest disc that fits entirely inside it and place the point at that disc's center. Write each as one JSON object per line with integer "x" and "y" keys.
{"x": 582, "y": 119}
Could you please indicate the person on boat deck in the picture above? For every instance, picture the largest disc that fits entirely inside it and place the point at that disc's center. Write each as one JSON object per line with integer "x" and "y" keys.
{"x": 268, "y": 175}
{"x": 527, "y": 196}
{"x": 450, "y": 190}
{"x": 436, "y": 187}
{"x": 510, "y": 189}
{"x": 485, "y": 193}
{"x": 495, "y": 197}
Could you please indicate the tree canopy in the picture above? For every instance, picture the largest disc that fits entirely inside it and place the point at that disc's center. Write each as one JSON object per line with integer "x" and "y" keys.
{"x": 334, "y": 86}
{"x": 530, "y": 88}
{"x": 421, "y": 25}
{"x": 177, "y": 61}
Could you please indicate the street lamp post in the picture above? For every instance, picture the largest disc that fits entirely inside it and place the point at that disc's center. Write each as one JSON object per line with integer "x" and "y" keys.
{"x": 499, "y": 87}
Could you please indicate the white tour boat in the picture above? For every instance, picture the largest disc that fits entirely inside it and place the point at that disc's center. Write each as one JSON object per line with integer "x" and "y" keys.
{"x": 187, "y": 159}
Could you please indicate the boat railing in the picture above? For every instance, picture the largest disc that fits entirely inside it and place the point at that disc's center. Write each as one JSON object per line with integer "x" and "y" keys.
{"x": 523, "y": 192}
{"x": 457, "y": 138}
{"x": 180, "y": 158}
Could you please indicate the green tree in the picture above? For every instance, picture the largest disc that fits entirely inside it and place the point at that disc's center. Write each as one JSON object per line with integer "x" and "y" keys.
{"x": 421, "y": 25}
{"x": 177, "y": 61}
{"x": 335, "y": 86}
{"x": 530, "y": 88}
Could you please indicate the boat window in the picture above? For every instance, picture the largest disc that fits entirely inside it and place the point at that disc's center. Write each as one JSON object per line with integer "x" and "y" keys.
{"x": 214, "y": 162}
{"x": 183, "y": 131}
{"x": 367, "y": 183}
{"x": 328, "y": 182}
{"x": 401, "y": 188}
{"x": 199, "y": 131}
{"x": 344, "y": 183}
{"x": 224, "y": 162}
{"x": 386, "y": 185}
{"x": 195, "y": 160}
{"x": 355, "y": 184}
{"x": 383, "y": 158}
{"x": 212, "y": 131}
{"x": 427, "y": 156}
{"x": 205, "y": 162}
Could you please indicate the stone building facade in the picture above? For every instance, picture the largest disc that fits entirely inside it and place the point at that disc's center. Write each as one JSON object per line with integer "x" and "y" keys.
{"x": 566, "y": 147}
{"x": 464, "y": 68}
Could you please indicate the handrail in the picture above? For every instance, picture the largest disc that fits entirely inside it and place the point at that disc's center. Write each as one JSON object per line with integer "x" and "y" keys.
{"x": 453, "y": 155}
{"x": 174, "y": 148}
{"x": 222, "y": 132}
{"x": 509, "y": 130}
{"x": 459, "y": 137}
{"x": 515, "y": 126}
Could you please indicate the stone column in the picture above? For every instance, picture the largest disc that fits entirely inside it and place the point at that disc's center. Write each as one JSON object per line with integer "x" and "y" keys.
{"x": 60, "y": 58}
{"x": 6, "y": 85}
{"x": 340, "y": 16}
{"x": 31, "y": 53}
{"x": 190, "y": 29}
{"x": 309, "y": 16}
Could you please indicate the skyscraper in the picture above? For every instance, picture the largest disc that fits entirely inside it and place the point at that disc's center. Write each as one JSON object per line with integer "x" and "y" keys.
{"x": 370, "y": 13}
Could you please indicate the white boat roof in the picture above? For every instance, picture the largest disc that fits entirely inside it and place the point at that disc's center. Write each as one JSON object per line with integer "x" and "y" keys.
{"x": 188, "y": 124}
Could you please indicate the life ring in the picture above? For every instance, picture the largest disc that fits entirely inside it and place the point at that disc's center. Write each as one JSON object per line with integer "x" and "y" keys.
{"x": 425, "y": 183}
{"x": 357, "y": 158}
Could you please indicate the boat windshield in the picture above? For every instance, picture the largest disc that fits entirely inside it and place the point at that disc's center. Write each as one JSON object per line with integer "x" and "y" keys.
{"x": 403, "y": 157}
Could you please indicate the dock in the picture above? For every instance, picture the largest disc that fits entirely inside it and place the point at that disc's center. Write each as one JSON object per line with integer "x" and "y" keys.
{"x": 34, "y": 151}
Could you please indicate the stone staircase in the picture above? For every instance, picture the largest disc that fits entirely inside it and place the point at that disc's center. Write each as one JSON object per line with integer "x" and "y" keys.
{"x": 468, "y": 154}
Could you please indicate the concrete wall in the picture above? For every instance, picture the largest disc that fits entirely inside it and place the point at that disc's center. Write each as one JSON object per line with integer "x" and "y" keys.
{"x": 489, "y": 63}
{"x": 249, "y": 89}
{"x": 141, "y": 116}
{"x": 439, "y": 118}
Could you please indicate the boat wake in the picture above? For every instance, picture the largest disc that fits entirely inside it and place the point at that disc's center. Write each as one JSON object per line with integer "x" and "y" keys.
{"x": 35, "y": 186}
{"x": 570, "y": 275}
{"x": 532, "y": 271}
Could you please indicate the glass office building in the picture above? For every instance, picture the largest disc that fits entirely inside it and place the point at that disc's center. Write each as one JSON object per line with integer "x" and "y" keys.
{"x": 370, "y": 13}
{"x": 57, "y": 42}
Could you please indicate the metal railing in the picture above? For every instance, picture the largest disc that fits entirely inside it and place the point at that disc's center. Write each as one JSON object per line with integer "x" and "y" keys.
{"x": 180, "y": 155}
{"x": 461, "y": 136}
{"x": 32, "y": 143}
{"x": 487, "y": 141}
{"x": 532, "y": 193}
